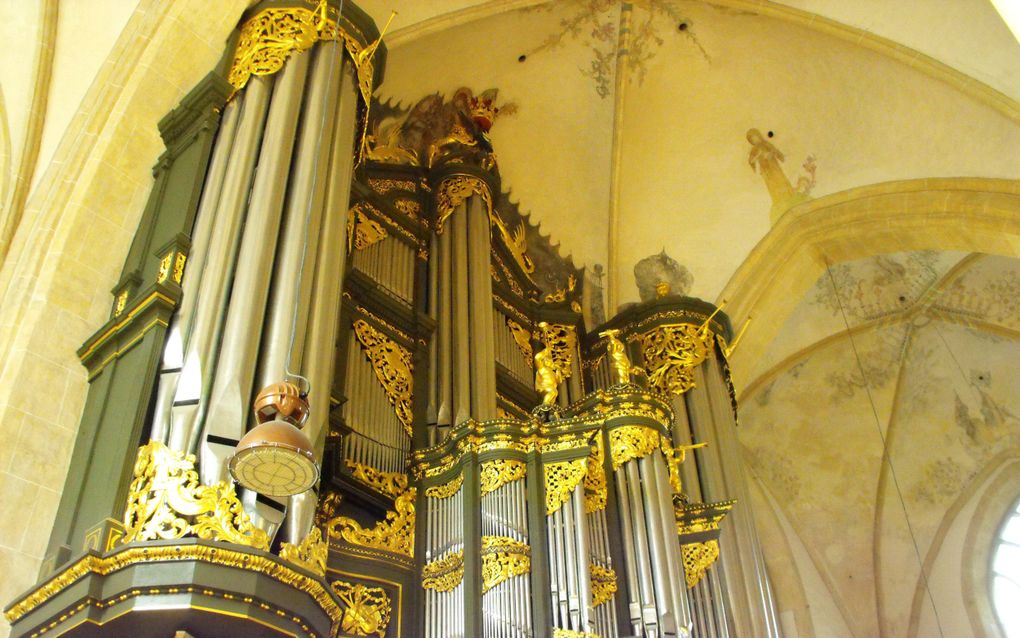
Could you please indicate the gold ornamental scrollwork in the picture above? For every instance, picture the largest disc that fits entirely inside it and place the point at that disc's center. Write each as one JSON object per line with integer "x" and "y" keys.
{"x": 166, "y": 501}
{"x": 570, "y": 633}
{"x": 452, "y": 192}
{"x": 446, "y": 490}
{"x": 394, "y": 534}
{"x": 366, "y": 231}
{"x": 560, "y": 480}
{"x": 310, "y": 554}
{"x": 367, "y": 610}
{"x": 630, "y": 442}
{"x": 444, "y": 574}
{"x": 697, "y": 558}
{"x": 603, "y": 584}
{"x": 562, "y": 343}
{"x": 502, "y": 559}
{"x": 392, "y": 365}
{"x": 522, "y": 337}
{"x": 595, "y": 479}
{"x": 495, "y": 474}
{"x": 672, "y": 352}
{"x": 391, "y": 484}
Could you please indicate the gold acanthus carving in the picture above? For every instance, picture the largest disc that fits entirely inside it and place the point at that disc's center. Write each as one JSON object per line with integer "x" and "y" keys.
{"x": 128, "y": 556}
{"x": 595, "y": 479}
{"x": 327, "y": 508}
{"x": 495, "y": 474}
{"x": 391, "y": 484}
{"x": 697, "y": 558}
{"x": 367, "y": 610}
{"x": 446, "y": 490}
{"x": 384, "y": 185}
{"x": 522, "y": 337}
{"x": 166, "y": 501}
{"x": 118, "y": 307}
{"x": 502, "y": 559}
{"x": 367, "y": 231}
{"x": 570, "y": 633}
{"x": 672, "y": 352}
{"x": 454, "y": 190}
{"x": 444, "y": 574}
{"x": 310, "y": 554}
{"x": 394, "y": 534}
{"x": 562, "y": 343}
{"x": 560, "y": 481}
{"x": 631, "y": 442}
{"x": 409, "y": 207}
{"x": 603, "y": 584}
{"x": 392, "y": 365}
{"x": 171, "y": 266}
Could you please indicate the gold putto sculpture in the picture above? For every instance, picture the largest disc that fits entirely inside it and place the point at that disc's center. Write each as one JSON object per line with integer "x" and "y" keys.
{"x": 618, "y": 356}
{"x": 547, "y": 376}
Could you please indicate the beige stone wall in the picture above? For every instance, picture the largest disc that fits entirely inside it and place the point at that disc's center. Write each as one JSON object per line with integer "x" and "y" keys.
{"x": 69, "y": 247}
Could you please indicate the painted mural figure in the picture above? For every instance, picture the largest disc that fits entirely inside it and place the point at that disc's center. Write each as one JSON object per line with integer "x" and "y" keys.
{"x": 766, "y": 160}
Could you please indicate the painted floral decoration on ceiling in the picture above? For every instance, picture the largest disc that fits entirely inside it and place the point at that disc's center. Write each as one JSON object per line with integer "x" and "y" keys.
{"x": 607, "y": 27}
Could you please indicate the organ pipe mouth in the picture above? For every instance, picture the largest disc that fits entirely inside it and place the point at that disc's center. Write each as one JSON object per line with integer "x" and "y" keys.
{"x": 276, "y": 458}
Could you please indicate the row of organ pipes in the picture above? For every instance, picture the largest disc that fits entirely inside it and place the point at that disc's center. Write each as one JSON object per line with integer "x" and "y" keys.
{"x": 286, "y": 140}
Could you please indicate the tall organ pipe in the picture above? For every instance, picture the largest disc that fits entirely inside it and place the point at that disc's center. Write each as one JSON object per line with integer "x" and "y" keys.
{"x": 192, "y": 392}
{"x": 235, "y": 369}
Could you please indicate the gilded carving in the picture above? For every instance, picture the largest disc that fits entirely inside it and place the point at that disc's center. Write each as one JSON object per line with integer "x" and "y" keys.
{"x": 522, "y": 337}
{"x": 367, "y": 609}
{"x": 671, "y": 352}
{"x": 595, "y": 479}
{"x": 495, "y": 474}
{"x": 618, "y": 360}
{"x": 409, "y": 207}
{"x": 547, "y": 376}
{"x": 444, "y": 574}
{"x": 502, "y": 559}
{"x": 310, "y": 554}
{"x": 560, "y": 481}
{"x": 697, "y": 558}
{"x": 179, "y": 267}
{"x": 603, "y": 584}
{"x": 327, "y": 508}
{"x": 166, "y": 501}
{"x": 391, "y": 484}
{"x": 164, "y": 267}
{"x": 392, "y": 365}
{"x": 570, "y": 633}
{"x": 384, "y": 185}
{"x": 447, "y": 489}
{"x": 630, "y": 442}
{"x": 453, "y": 191}
{"x": 367, "y": 231}
{"x": 562, "y": 342}
{"x": 395, "y": 533}
{"x": 118, "y": 307}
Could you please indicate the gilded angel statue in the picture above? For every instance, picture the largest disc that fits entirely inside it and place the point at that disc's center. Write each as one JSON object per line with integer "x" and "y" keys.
{"x": 547, "y": 377}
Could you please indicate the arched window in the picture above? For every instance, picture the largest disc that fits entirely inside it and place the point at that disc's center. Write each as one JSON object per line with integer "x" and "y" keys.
{"x": 1006, "y": 574}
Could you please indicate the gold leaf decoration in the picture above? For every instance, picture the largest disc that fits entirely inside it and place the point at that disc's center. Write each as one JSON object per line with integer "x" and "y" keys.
{"x": 444, "y": 574}
{"x": 595, "y": 479}
{"x": 570, "y": 633}
{"x": 671, "y": 352}
{"x": 327, "y": 508}
{"x": 367, "y": 609}
{"x": 392, "y": 365}
{"x": 310, "y": 554}
{"x": 522, "y": 337}
{"x": 560, "y": 480}
{"x": 632, "y": 442}
{"x": 447, "y": 489}
{"x": 603, "y": 584}
{"x": 495, "y": 474}
{"x": 698, "y": 557}
{"x": 502, "y": 559}
{"x": 562, "y": 342}
{"x": 391, "y": 484}
{"x": 167, "y": 501}
{"x": 367, "y": 231}
{"x": 394, "y": 534}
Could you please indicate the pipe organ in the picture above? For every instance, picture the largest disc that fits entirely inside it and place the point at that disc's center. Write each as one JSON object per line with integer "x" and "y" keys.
{"x": 491, "y": 465}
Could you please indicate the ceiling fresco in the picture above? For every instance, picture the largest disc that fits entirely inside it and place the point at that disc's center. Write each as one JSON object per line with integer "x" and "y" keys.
{"x": 725, "y": 119}
{"x": 893, "y": 385}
